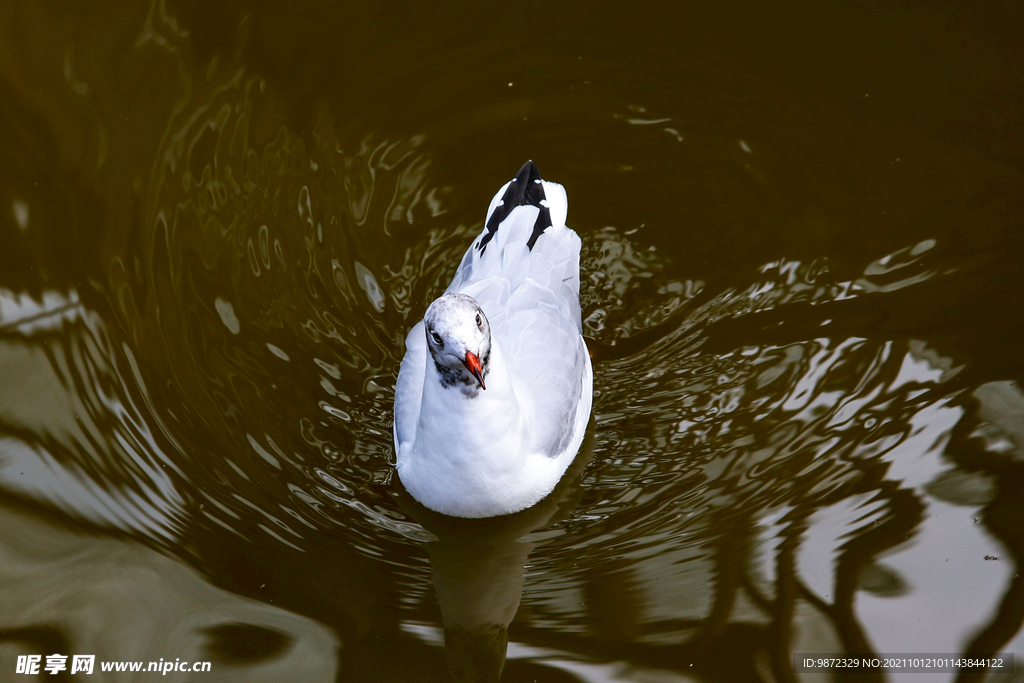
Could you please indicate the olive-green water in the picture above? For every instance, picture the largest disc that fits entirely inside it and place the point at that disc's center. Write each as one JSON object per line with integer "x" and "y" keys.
{"x": 802, "y": 232}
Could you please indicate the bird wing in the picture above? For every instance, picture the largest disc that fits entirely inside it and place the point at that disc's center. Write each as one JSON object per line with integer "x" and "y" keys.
{"x": 525, "y": 237}
{"x": 409, "y": 390}
{"x": 523, "y": 270}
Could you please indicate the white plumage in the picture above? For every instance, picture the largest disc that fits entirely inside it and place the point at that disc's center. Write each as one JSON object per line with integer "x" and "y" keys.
{"x": 497, "y": 440}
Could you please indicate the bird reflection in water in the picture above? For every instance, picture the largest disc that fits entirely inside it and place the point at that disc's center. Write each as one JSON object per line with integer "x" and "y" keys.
{"x": 478, "y": 568}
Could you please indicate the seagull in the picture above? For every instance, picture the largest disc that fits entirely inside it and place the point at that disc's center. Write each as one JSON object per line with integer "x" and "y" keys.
{"x": 495, "y": 390}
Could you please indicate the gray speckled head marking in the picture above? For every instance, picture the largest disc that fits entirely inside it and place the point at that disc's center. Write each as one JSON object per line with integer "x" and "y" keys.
{"x": 455, "y": 324}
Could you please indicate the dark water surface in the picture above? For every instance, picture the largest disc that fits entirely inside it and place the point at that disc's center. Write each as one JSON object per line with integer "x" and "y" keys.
{"x": 802, "y": 234}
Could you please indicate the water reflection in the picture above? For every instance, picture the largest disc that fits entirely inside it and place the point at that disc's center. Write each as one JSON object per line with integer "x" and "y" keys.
{"x": 219, "y": 223}
{"x": 478, "y": 571}
{"x": 67, "y": 592}
{"x": 73, "y": 434}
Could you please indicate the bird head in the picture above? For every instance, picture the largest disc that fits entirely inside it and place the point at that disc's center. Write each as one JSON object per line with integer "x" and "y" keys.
{"x": 459, "y": 340}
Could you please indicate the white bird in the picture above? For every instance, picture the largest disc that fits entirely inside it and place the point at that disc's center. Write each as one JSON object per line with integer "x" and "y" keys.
{"x": 495, "y": 390}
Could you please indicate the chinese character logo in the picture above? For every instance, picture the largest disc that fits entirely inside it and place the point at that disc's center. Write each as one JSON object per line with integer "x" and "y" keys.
{"x": 82, "y": 664}
{"x": 28, "y": 664}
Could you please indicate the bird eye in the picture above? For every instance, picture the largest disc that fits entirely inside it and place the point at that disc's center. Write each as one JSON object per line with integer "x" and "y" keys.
{"x": 437, "y": 338}
{"x": 479, "y": 322}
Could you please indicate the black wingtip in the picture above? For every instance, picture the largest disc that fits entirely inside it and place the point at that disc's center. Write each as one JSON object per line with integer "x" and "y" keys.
{"x": 525, "y": 189}
{"x": 528, "y": 172}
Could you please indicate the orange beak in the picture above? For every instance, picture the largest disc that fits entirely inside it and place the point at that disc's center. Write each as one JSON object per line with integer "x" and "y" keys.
{"x": 473, "y": 365}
